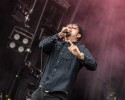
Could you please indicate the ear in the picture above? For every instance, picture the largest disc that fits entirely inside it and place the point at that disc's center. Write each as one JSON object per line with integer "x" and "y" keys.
{"x": 78, "y": 35}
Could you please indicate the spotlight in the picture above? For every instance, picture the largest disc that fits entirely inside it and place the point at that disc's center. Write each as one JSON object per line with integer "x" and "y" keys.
{"x": 25, "y": 41}
{"x": 21, "y": 49}
{"x": 20, "y": 40}
{"x": 12, "y": 45}
{"x": 16, "y": 36}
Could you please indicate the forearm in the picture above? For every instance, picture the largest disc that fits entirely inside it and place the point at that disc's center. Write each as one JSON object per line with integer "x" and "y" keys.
{"x": 88, "y": 60}
{"x": 90, "y": 63}
{"x": 48, "y": 43}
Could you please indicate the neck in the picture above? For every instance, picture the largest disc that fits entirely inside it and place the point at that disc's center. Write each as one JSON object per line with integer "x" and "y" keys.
{"x": 71, "y": 39}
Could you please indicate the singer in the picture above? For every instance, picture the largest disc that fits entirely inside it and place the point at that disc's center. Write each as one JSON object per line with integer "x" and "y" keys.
{"x": 66, "y": 58}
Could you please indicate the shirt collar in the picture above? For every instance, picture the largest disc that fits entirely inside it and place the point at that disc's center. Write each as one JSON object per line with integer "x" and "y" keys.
{"x": 64, "y": 42}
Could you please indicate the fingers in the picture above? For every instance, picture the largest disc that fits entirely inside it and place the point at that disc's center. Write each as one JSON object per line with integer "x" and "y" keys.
{"x": 66, "y": 30}
{"x": 72, "y": 47}
{"x": 63, "y": 29}
{"x": 70, "y": 42}
{"x": 62, "y": 33}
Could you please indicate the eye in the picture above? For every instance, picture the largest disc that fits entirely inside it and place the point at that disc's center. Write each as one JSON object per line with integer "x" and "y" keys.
{"x": 69, "y": 27}
{"x": 75, "y": 26}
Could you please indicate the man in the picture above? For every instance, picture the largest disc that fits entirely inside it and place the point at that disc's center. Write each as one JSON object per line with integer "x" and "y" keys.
{"x": 66, "y": 58}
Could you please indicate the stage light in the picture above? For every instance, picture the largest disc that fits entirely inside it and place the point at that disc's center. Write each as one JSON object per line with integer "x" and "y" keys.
{"x": 12, "y": 45}
{"x": 20, "y": 40}
{"x": 25, "y": 41}
{"x": 21, "y": 49}
{"x": 16, "y": 36}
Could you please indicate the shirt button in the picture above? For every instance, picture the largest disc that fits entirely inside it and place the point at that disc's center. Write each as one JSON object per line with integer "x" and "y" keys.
{"x": 57, "y": 61}
{"x": 61, "y": 53}
{"x": 55, "y": 69}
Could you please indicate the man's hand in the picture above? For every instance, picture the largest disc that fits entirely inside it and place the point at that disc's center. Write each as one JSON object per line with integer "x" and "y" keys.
{"x": 75, "y": 50}
{"x": 64, "y": 32}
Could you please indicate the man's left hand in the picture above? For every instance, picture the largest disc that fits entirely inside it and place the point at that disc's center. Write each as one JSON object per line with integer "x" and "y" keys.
{"x": 75, "y": 50}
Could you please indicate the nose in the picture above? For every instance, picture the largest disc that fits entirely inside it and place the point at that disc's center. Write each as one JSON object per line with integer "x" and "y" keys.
{"x": 69, "y": 28}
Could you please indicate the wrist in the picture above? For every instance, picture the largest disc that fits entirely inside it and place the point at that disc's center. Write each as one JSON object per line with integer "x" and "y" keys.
{"x": 81, "y": 56}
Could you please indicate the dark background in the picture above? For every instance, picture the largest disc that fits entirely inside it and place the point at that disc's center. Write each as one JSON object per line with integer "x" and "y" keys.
{"x": 104, "y": 24}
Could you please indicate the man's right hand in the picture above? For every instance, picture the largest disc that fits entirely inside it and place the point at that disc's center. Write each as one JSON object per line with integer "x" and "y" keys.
{"x": 62, "y": 34}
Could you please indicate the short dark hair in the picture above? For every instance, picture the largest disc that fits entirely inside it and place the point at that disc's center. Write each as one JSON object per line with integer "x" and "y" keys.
{"x": 81, "y": 31}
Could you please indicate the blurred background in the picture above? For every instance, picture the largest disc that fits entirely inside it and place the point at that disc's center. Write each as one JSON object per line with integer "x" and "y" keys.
{"x": 23, "y": 23}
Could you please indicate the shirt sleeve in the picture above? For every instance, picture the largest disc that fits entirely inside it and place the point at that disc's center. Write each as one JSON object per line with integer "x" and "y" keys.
{"x": 48, "y": 43}
{"x": 89, "y": 61}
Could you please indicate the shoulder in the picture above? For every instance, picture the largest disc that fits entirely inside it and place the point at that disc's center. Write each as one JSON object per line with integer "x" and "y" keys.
{"x": 81, "y": 45}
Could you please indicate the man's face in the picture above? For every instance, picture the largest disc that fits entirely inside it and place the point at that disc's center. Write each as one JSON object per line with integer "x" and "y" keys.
{"x": 73, "y": 29}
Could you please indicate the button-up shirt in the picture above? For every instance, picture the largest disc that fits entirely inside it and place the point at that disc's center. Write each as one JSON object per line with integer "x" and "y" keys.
{"x": 62, "y": 67}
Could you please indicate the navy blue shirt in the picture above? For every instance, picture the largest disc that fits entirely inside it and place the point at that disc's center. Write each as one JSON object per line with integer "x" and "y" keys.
{"x": 62, "y": 67}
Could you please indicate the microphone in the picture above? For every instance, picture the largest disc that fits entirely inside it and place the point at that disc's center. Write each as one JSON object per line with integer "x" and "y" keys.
{"x": 66, "y": 33}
